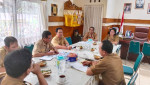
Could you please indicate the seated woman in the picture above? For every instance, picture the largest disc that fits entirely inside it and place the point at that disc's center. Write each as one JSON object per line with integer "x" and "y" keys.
{"x": 112, "y": 36}
{"x": 76, "y": 37}
{"x": 90, "y": 35}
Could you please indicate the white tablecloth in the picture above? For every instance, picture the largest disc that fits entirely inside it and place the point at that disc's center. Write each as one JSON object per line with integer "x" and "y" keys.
{"x": 73, "y": 76}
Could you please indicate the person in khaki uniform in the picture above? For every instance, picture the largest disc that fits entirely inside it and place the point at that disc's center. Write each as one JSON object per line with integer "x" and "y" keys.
{"x": 59, "y": 40}
{"x": 110, "y": 67}
{"x": 18, "y": 65}
{"x": 11, "y": 44}
{"x": 90, "y": 35}
{"x": 112, "y": 37}
{"x": 44, "y": 47}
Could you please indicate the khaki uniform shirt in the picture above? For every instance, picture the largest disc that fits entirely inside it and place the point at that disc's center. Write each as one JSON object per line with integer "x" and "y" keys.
{"x": 59, "y": 41}
{"x": 3, "y": 53}
{"x": 41, "y": 47}
{"x": 114, "y": 39}
{"x": 90, "y": 36}
{"x": 13, "y": 81}
{"x": 111, "y": 69}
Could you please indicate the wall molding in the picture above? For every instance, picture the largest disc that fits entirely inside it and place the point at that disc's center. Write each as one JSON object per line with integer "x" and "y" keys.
{"x": 56, "y": 19}
{"x": 105, "y": 20}
{"x": 136, "y": 21}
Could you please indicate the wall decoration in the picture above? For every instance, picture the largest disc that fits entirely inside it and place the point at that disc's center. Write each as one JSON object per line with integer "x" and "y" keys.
{"x": 139, "y": 4}
{"x": 148, "y": 10}
{"x": 127, "y": 8}
{"x": 54, "y": 9}
{"x": 73, "y": 14}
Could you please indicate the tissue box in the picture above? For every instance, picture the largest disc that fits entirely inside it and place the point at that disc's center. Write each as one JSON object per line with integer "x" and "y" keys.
{"x": 72, "y": 57}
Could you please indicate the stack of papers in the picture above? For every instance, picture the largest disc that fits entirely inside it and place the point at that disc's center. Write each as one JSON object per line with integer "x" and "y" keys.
{"x": 79, "y": 66}
{"x": 48, "y": 58}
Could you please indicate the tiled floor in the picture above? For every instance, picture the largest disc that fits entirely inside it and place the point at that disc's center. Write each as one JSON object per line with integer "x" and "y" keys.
{"x": 143, "y": 73}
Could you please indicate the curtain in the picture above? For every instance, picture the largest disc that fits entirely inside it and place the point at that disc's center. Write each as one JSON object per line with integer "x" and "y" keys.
{"x": 23, "y": 20}
{"x": 93, "y": 15}
{"x": 6, "y": 19}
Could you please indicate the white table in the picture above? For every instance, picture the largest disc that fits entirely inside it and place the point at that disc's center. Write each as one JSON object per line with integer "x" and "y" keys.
{"x": 74, "y": 77}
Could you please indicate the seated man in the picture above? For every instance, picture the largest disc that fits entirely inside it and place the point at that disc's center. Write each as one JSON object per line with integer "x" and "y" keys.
{"x": 11, "y": 44}
{"x": 44, "y": 47}
{"x": 18, "y": 65}
{"x": 59, "y": 40}
{"x": 90, "y": 35}
{"x": 110, "y": 67}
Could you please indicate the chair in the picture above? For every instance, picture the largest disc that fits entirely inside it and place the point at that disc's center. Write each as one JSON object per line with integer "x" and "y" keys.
{"x": 134, "y": 47}
{"x": 133, "y": 79}
{"x": 29, "y": 47}
{"x": 141, "y": 34}
{"x": 69, "y": 40}
{"x": 128, "y": 70}
{"x": 146, "y": 50}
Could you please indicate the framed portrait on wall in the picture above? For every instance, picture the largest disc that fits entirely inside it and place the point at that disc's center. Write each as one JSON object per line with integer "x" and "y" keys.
{"x": 148, "y": 10}
{"x": 54, "y": 9}
{"x": 127, "y": 8}
{"x": 139, "y": 4}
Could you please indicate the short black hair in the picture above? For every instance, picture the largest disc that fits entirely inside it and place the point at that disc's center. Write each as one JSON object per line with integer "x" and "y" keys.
{"x": 92, "y": 27}
{"x": 112, "y": 29}
{"x": 10, "y": 40}
{"x": 107, "y": 46}
{"x": 17, "y": 62}
{"x": 58, "y": 29}
{"x": 45, "y": 34}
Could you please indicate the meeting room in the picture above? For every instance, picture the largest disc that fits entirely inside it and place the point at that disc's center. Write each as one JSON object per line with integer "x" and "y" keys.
{"x": 74, "y": 42}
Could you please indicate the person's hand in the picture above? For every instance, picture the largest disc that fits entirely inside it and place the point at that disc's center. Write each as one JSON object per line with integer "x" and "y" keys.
{"x": 36, "y": 69}
{"x": 94, "y": 62}
{"x": 51, "y": 52}
{"x": 69, "y": 47}
{"x": 86, "y": 63}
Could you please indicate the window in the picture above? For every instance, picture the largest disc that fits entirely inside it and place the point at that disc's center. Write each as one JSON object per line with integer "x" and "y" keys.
{"x": 21, "y": 19}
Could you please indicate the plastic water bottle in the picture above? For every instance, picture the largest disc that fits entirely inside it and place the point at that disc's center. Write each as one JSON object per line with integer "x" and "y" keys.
{"x": 61, "y": 64}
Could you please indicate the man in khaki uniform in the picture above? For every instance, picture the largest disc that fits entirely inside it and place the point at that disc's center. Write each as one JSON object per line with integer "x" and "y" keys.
{"x": 59, "y": 40}
{"x": 11, "y": 44}
{"x": 90, "y": 35}
{"x": 110, "y": 67}
{"x": 18, "y": 65}
{"x": 44, "y": 47}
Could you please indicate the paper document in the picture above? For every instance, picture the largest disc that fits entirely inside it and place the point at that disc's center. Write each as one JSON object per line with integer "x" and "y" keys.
{"x": 48, "y": 58}
{"x": 79, "y": 66}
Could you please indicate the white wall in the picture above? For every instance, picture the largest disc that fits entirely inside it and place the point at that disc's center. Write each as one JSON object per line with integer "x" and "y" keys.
{"x": 115, "y": 9}
{"x": 60, "y": 5}
{"x": 81, "y": 3}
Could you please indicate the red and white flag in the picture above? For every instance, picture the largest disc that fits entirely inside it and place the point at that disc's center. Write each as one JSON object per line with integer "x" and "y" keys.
{"x": 121, "y": 26}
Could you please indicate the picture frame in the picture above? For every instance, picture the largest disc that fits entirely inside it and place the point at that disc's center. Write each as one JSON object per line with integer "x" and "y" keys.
{"x": 139, "y": 4}
{"x": 127, "y": 8}
{"x": 148, "y": 9}
{"x": 54, "y": 9}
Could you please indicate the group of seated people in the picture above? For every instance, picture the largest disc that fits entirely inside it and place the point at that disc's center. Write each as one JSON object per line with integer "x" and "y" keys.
{"x": 17, "y": 63}
{"x": 112, "y": 36}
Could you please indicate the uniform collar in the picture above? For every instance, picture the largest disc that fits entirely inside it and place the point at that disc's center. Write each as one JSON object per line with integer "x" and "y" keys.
{"x": 111, "y": 55}
{"x": 4, "y": 49}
